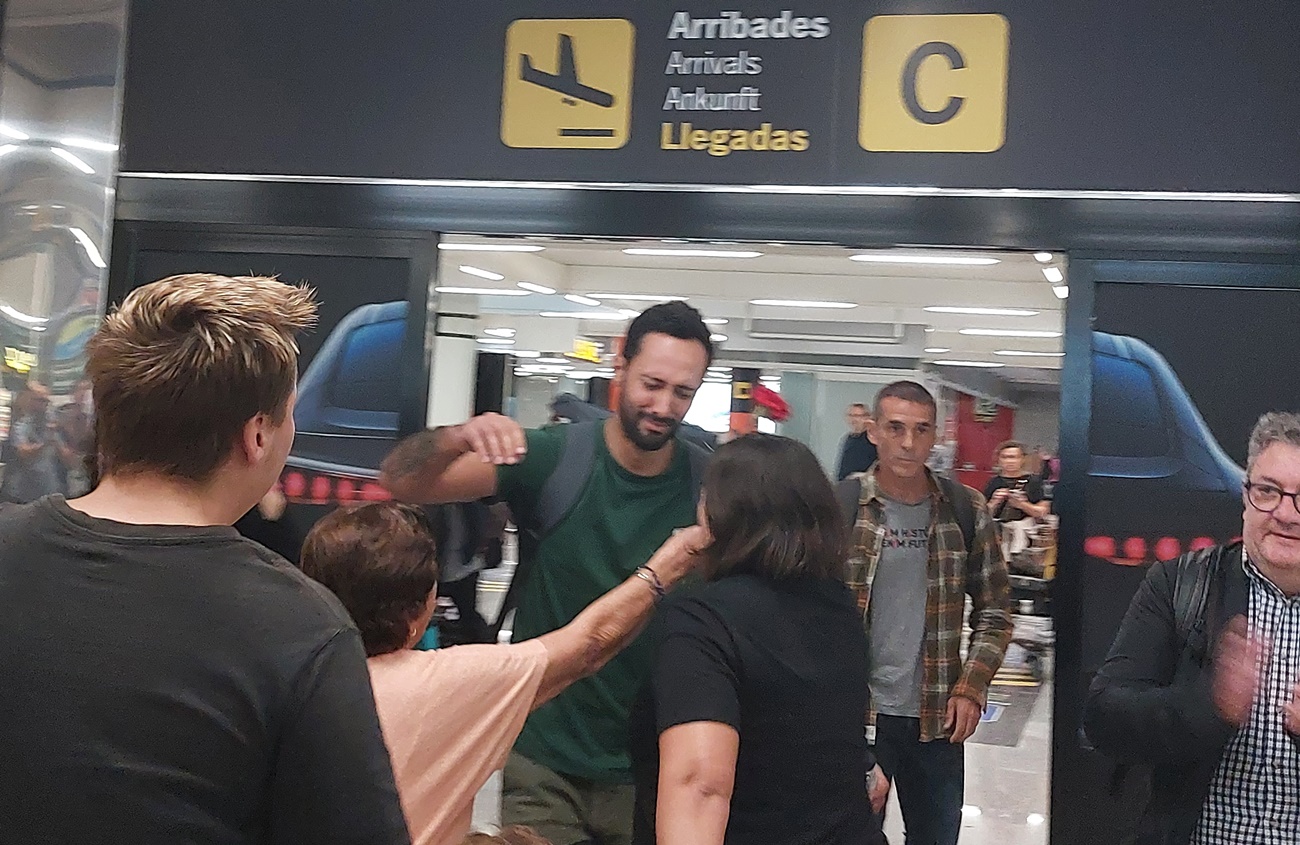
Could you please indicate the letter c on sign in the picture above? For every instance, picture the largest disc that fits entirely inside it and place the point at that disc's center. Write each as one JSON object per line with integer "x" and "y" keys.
{"x": 913, "y": 67}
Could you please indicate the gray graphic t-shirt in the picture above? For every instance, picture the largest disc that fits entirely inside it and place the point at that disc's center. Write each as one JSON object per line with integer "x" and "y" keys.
{"x": 898, "y": 595}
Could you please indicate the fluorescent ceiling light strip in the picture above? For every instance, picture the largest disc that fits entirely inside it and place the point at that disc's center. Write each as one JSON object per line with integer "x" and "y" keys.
{"x": 582, "y": 300}
{"x": 1061, "y": 291}
{"x": 1053, "y": 275}
{"x": 1043, "y": 257}
{"x": 586, "y": 315}
{"x": 801, "y": 303}
{"x": 499, "y": 332}
{"x": 482, "y": 291}
{"x": 7, "y": 149}
{"x": 938, "y": 260}
{"x": 89, "y": 144}
{"x": 72, "y": 160}
{"x": 1017, "y": 353}
{"x": 525, "y": 353}
{"x": 491, "y": 247}
{"x": 718, "y": 338}
{"x": 715, "y": 321}
{"x": 481, "y": 273}
{"x": 629, "y": 313}
{"x": 536, "y": 288}
{"x": 937, "y": 350}
{"x": 1007, "y": 333}
{"x": 92, "y": 251}
{"x": 10, "y": 132}
{"x": 984, "y": 312}
{"x": 692, "y": 253}
{"x": 988, "y": 365}
{"x": 638, "y": 297}
{"x": 496, "y": 341}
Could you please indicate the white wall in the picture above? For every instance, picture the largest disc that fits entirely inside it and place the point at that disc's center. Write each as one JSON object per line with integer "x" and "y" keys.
{"x": 1038, "y": 419}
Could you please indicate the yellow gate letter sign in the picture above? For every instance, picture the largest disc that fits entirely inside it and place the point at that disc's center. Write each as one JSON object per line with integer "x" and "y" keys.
{"x": 934, "y": 83}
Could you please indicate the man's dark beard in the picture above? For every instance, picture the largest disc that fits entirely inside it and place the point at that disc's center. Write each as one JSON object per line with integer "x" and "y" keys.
{"x": 630, "y": 420}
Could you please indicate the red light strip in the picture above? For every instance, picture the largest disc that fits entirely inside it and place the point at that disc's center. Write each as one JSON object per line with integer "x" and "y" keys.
{"x": 1138, "y": 551}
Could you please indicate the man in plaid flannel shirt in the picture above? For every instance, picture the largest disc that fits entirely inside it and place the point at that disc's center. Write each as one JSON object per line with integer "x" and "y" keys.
{"x": 911, "y": 571}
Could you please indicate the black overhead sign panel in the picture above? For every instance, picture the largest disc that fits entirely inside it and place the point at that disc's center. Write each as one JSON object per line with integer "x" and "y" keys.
{"x": 1084, "y": 95}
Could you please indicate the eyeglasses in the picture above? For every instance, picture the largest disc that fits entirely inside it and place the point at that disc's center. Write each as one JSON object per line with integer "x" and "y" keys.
{"x": 1267, "y": 498}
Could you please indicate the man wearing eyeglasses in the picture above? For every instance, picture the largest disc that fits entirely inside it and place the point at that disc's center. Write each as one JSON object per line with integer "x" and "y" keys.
{"x": 1203, "y": 682}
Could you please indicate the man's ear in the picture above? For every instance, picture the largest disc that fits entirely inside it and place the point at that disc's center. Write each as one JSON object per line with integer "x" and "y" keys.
{"x": 255, "y": 440}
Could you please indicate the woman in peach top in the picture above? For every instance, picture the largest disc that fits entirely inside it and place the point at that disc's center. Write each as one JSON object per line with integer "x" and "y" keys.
{"x": 449, "y": 717}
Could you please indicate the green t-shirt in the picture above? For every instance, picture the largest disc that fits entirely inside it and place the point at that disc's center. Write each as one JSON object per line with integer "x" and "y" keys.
{"x": 616, "y": 524}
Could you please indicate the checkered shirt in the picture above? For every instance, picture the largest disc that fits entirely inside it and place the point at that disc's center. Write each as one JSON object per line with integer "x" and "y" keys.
{"x": 1254, "y": 798}
{"x": 953, "y": 574}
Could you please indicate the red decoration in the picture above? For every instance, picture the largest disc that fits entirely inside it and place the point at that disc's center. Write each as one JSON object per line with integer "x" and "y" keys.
{"x": 770, "y": 404}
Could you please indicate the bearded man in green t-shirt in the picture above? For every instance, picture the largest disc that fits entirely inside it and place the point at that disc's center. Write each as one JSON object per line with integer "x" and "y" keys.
{"x": 569, "y": 776}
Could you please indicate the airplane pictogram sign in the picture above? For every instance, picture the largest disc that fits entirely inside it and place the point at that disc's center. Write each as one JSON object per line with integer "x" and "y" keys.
{"x": 568, "y": 84}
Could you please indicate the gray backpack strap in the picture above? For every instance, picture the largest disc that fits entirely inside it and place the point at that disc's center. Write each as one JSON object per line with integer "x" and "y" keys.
{"x": 699, "y": 458}
{"x": 559, "y": 493}
{"x": 565, "y": 484}
{"x": 956, "y": 494}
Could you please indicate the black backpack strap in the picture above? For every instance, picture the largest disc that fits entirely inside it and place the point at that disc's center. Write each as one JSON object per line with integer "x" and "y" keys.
{"x": 962, "y": 508}
{"x": 848, "y": 493}
{"x": 1194, "y": 574}
{"x": 559, "y": 493}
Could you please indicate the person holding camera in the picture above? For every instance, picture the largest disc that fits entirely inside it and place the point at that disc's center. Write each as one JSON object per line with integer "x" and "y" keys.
{"x": 1015, "y": 498}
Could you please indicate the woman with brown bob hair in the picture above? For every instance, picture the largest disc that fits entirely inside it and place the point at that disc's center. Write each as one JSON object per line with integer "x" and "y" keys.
{"x": 752, "y": 727}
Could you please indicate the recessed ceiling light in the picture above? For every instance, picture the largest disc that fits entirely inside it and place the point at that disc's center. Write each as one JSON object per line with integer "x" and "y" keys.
{"x": 585, "y": 315}
{"x": 638, "y": 297}
{"x": 970, "y": 811}
{"x": 1053, "y": 275}
{"x": 929, "y": 329}
{"x": 481, "y": 273}
{"x": 581, "y": 300}
{"x": 718, "y": 338}
{"x": 801, "y": 303}
{"x": 1061, "y": 291}
{"x": 536, "y": 288}
{"x": 1023, "y": 354}
{"x": 937, "y": 350}
{"x": 499, "y": 332}
{"x": 714, "y": 321}
{"x": 984, "y": 312}
{"x": 686, "y": 252}
{"x": 940, "y": 260}
{"x": 491, "y": 247}
{"x": 482, "y": 291}
{"x": 1043, "y": 257}
{"x": 496, "y": 341}
{"x": 988, "y": 365}
{"x": 1035, "y": 819}
{"x": 1008, "y": 333}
